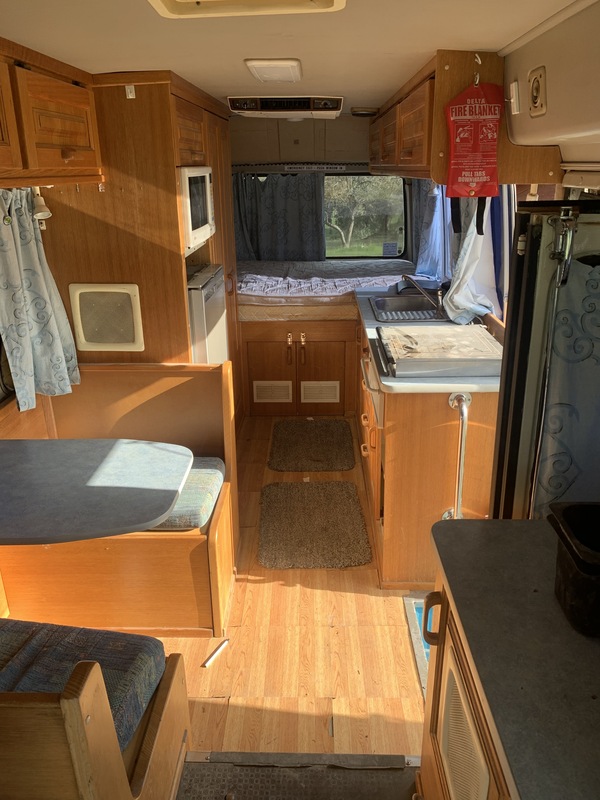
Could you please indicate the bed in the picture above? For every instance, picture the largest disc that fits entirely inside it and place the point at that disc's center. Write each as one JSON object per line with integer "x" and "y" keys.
{"x": 300, "y": 289}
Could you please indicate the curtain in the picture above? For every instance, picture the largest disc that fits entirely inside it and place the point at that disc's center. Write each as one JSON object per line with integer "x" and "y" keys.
{"x": 279, "y": 217}
{"x": 33, "y": 323}
{"x": 433, "y": 231}
{"x": 480, "y": 262}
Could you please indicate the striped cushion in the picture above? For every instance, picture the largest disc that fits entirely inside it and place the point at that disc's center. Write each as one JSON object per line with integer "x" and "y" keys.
{"x": 198, "y": 497}
{"x": 38, "y": 657}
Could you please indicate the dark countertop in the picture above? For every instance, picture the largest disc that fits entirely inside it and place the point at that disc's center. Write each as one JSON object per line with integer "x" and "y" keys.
{"x": 540, "y": 678}
{"x": 63, "y": 490}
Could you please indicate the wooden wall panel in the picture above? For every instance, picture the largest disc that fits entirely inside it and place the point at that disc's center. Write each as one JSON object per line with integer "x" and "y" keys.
{"x": 129, "y": 232}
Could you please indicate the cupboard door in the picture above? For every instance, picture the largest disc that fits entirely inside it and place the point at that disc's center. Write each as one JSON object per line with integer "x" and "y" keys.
{"x": 414, "y": 124}
{"x": 59, "y": 123}
{"x": 389, "y": 137}
{"x": 458, "y": 749}
{"x": 375, "y": 143}
{"x": 190, "y": 145}
{"x": 320, "y": 372}
{"x": 10, "y": 150}
{"x": 271, "y": 378}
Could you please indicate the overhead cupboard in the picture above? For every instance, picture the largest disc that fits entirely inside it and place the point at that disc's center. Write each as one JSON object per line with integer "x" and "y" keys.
{"x": 48, "y": 128}
{"x": 409, "y": 135}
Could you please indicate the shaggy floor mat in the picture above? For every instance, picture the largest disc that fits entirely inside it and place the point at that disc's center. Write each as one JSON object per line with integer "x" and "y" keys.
{"x": 311, "y": 445}
{"x": 316, "y": 525}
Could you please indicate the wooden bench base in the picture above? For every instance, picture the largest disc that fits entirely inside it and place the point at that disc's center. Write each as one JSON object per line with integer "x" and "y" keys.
{"x": 162, "y": 583}
{"x": 65, "y": 745}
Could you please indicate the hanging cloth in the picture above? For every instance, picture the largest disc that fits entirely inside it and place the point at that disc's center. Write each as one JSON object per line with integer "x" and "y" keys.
{"x": 34, "y": 326}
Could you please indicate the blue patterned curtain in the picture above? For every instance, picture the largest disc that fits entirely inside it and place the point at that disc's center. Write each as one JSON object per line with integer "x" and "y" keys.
{"x": 279, "y": 217}
{"x": 33, "y": 323}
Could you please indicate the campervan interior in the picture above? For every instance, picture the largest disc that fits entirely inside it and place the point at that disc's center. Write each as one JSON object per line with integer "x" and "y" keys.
{"x": 294, "y": 556}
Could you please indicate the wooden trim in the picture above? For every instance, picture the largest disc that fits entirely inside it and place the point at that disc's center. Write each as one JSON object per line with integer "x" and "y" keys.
{"x": 426, "y": 72}
{"x": 12, "y": 51}
{"x": 221, "y": 561}
{"x": 178, "y": 87}
{"x": 517, "y": 163}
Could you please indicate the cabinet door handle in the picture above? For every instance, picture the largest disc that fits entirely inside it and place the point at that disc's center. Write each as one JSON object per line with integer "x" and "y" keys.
{"x": 431, "y": 600}
{"x": 68, "y": 153}
{"x": 229, "y": 284}
{"x": 364, "y": 420}
{"x": 289, "y": 354}
{"x": 302, "y": 354}
{"x": 373, "y": 438}
{"x": 364, "y": 450}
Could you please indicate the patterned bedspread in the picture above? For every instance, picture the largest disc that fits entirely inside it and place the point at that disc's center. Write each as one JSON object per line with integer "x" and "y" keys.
{"x": 317, "y": 278}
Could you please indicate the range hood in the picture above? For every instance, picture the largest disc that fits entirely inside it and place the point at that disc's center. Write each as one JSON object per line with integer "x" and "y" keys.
{"x": 287, "y": 107}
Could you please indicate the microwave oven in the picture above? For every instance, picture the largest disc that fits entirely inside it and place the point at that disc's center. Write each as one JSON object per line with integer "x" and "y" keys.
{"x": 197, "y": 206}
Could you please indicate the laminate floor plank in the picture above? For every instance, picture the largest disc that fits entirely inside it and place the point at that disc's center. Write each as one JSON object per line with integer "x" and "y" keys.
{"x": 318, "y": 661}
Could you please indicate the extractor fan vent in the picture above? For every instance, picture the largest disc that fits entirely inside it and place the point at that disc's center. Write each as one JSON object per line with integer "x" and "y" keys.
{"x": 287, "y": 107}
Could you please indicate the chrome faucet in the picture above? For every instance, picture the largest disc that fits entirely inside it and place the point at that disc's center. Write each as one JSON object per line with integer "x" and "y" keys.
{"x": 438, "y": 306}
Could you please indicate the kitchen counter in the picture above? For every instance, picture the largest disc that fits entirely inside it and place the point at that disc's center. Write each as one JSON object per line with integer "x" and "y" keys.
{"x": 379, "y": 382}
{"x": 538, "y": 679}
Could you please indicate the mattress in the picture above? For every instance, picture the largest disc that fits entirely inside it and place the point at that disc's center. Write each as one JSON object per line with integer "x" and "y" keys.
{"x": 331, "y": 278}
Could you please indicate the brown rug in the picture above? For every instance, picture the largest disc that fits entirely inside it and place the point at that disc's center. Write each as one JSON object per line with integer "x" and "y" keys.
{"x": 316, "y": 525}
{"x": 311, "y": 445}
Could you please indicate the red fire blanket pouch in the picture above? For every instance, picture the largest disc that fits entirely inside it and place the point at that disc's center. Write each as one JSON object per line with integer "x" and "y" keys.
{"x": 473, "y": 119}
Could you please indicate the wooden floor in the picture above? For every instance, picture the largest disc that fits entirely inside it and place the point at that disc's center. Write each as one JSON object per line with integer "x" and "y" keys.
{"x": 318, "y": 661}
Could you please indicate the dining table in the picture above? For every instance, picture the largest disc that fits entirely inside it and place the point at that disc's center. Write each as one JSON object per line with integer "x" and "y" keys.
{"x": 65, "y": 490}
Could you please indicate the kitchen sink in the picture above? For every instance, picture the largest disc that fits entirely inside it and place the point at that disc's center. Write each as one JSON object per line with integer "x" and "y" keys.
{"x": 408, "y": 308}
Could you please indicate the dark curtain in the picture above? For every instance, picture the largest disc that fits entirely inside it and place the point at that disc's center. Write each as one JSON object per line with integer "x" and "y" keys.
{"x": 279, "y": 217}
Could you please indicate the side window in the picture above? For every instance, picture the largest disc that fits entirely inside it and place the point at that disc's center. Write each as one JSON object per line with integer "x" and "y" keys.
{"x": 364, "y": 216}
{"x": 6, "y": 382}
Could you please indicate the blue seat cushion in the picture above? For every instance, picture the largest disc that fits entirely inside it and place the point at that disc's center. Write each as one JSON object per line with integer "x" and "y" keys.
{"x": 38, "y": 657}
{"x": 198, "y": 497}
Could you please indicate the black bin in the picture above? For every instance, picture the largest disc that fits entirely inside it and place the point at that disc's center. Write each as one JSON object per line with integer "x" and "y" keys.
{"x": 577, "y": 584}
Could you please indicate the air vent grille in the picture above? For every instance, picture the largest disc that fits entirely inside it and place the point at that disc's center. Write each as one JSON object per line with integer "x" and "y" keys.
{"x": 319, "y": 391}
{"x": 272, "y": 391}
{"x": 300, "y": 107}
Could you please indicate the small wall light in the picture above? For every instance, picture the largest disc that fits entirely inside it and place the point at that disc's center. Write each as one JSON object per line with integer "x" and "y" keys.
{"x": 40, "y": 209}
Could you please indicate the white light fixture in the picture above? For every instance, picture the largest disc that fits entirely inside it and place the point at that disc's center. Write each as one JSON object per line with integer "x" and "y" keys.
{"x": 40, "y": 209}
{"x": 277, "y": 70}
{"x": 178, "y": 9}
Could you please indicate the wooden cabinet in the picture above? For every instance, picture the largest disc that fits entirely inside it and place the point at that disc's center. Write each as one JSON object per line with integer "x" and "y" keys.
{"x": 190, "y": 146}
{"x": 299, "y": 367}
{"x": 370, "y": 449}
{"x": 10, "y": 150}
{"x": 410, "y": 137}
{"x": 400, "y": 139}
{"x": 458, "y": 749}
{"x": 411, "y": 471}
{"x": 48, "y": 128}
{"x": 132, "y": 232}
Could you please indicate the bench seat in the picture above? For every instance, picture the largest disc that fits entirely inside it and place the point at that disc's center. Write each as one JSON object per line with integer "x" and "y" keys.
{"x": 38, "y": 657}
{"x": 198, "y": 498}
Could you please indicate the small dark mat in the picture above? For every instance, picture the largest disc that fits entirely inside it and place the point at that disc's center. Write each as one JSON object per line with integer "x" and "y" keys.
{"x": 208, "y": 781}
{"x": 316, "y": 525}
{"x": 311, "y": 445}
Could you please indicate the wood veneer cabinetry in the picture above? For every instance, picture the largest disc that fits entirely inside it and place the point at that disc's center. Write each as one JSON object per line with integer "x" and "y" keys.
{"x": 413, "y": 125}
{"x": 48, "y": 130}
{"x": 450, "y": 681}
{"x": 131, "y": 231}
{"x": 298, "y": 367}
{"x": 415, "y": 478}
{"x": 401, "y": 137}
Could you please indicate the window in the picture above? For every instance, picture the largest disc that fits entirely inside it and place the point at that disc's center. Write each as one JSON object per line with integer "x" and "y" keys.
{"x": 364, "y": 216}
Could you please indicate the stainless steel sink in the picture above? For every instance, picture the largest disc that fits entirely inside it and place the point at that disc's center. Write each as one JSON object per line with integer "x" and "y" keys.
{"x": 406, "y": 307}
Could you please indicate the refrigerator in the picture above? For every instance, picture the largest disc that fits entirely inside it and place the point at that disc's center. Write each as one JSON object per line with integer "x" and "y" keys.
{"x": 548, "y": 433}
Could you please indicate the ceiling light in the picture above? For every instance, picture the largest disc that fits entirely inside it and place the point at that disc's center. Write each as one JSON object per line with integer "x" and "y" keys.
{"x": 178, "y": 9}
{"x": 363, "y": 111}
{"x": 278, "y": 70}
